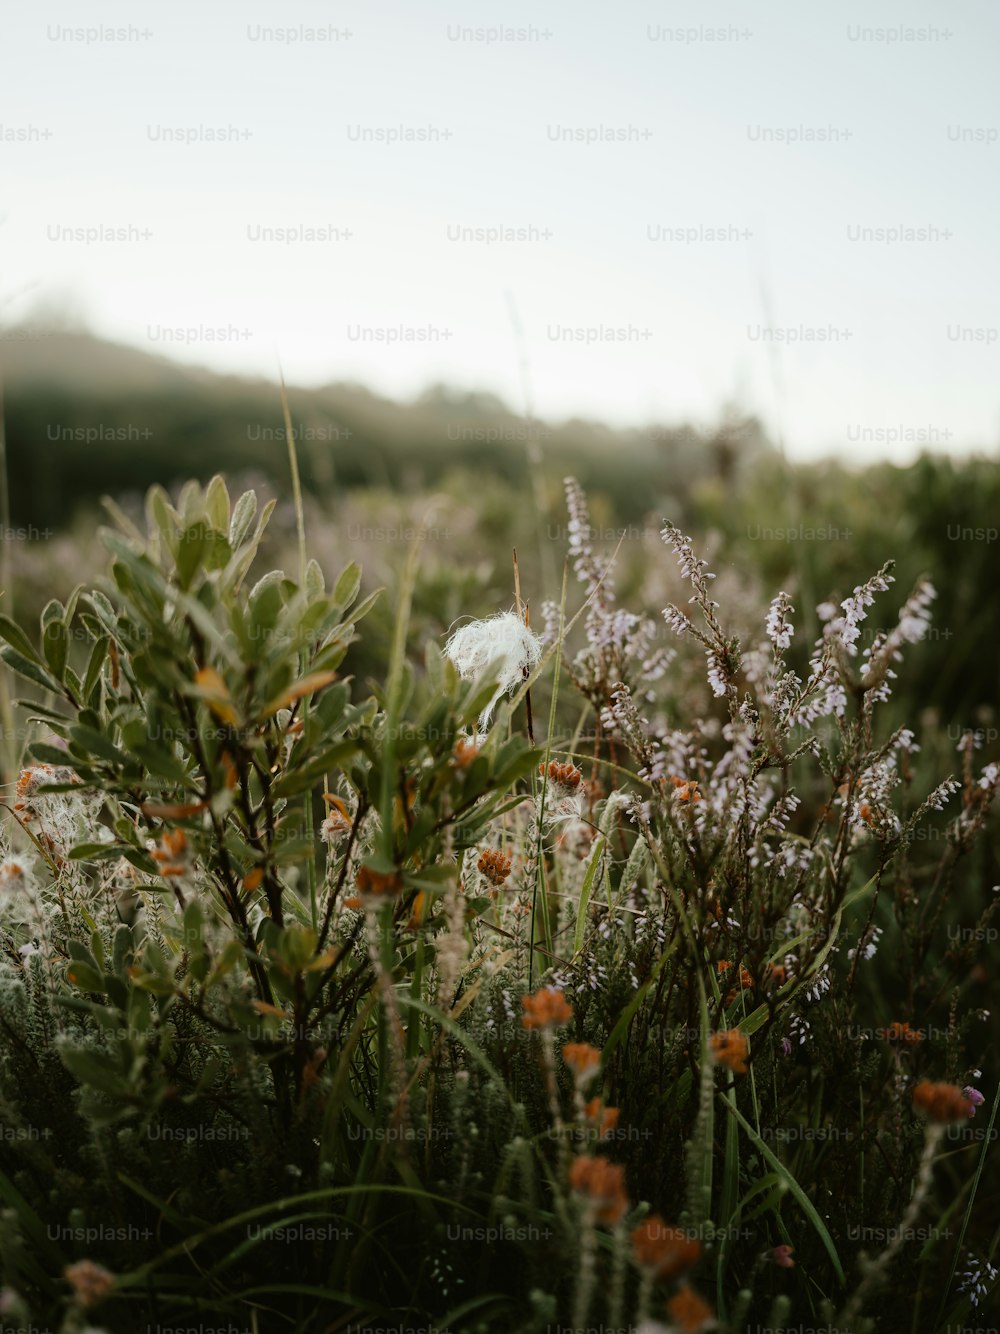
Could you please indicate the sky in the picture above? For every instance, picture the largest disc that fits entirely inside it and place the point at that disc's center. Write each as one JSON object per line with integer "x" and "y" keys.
{"x": 636, "y": 212}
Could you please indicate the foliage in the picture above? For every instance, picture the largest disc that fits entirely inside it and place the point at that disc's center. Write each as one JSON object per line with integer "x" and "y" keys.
{"x": 324, "y": 1007}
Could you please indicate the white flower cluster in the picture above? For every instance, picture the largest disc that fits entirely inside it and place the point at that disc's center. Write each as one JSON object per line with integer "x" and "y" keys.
{"x": 867, "y": 946}
{"x": 936, "y": 800}
{"x": 977, "y": 1279}
{"x": 616, "y": 638}
{"x": 677, "y": 621}
{"x": 716, "y": 676}
{"x": 846, "y": 628}
{"x": 779, "y": 629}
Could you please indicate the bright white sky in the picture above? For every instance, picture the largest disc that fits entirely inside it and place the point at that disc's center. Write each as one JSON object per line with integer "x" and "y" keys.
{"x": 923, "y": 152}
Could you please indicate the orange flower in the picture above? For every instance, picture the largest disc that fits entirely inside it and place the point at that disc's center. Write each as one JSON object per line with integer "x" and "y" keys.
{"x": 172, "y": 853}
{"x": 665, "y": 1251}
{"x": 582, "y": 1059}
{"x": 603, "y": 1182}
{"x": 746, "y": 979}
{"x": 687, "y": 789}
{"x": 465, "y": 752}
{"x": 563, "y": 775}
{"x": 605, "y": 1119}
{"x": 546, "y": 1008}
{"x": 730, "y": 1048}
{"x": 941, "y": 1102}
{"x": 494, "y": 866}
{"x": 688, "y": 1310}
{"x": 775, "y": 975}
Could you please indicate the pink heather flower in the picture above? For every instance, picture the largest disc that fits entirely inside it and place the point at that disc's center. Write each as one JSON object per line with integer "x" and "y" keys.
{"x": 975, "y": 1098}
{"x": 782, "y": 1255}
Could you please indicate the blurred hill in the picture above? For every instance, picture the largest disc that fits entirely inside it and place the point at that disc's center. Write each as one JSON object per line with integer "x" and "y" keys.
{"x": 85, "y": 416}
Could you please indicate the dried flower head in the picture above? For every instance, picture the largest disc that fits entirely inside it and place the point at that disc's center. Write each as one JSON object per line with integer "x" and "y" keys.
{"x": 561, "y": 775}
{"x": 602, "y": 1182}
{"x": 494, "y": 866}
{"x": 14, "y": 874}
{"x": 941, "y": 1102}
{"x": 29, "y": 780}
{"x": 730, "y": 1048}
{"x": 583, "y": 1059}
{"x": 666, "y": 1252}
{"x": 337, "y": 824}
{"x": 90, "y": 1282}
{"x": 503, "y": 644}
{"x": 546, "y": 1008}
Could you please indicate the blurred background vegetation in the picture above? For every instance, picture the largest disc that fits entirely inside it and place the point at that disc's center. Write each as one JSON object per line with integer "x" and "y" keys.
{"x": 86, "y": 418}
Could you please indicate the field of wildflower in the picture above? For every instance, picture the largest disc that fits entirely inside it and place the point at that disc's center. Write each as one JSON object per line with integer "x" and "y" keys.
{"x": 580, "y": 943}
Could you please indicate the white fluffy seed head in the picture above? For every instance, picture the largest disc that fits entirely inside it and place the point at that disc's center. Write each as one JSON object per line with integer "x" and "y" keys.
{"x": 502, "y": 644}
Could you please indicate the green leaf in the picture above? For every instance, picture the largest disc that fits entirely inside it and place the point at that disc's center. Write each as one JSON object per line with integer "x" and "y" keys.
{"x": 92, "y": 742}
{"x": 95, "y": 852}
{"x": 86, "y": 978}
{"x": 364, "y": 607}
{"x": 801, "y": 1198}
{"x": 191, "y": 551}
{"x": 97, "y": 658}
{"x": 145, "y": 575}
{"x": 141, "y": 861}
{"x": 29, "y": 669}
{"x": 315, "y": 583}
{"x": 217, "y": 503}
{"x": 161, "y": 763}
{"x": 18, "y": 640}
{"x": 345, "y": 590}
{"x": 596, "y": 858}
{"x": 46, "y": 754}
{"x": 245, "y": 509}
{"x": 94, "y": 1070}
